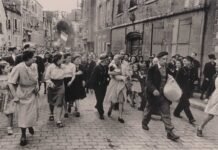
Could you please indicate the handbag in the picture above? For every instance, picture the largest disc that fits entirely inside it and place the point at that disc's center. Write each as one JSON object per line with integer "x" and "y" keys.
{"x": 171, "y": 90}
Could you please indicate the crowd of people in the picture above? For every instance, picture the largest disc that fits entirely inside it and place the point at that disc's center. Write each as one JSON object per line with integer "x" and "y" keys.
{"x": 115, "y": 79}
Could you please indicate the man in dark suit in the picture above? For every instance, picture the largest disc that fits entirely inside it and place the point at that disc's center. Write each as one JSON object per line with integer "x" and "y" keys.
{"x": 99, "y": 81}
{"x": 14, "y": 59}
{"x": 89, "y": 69}
{"x": 195, "y": 72}
{"x": 40, "y": 68}
{"x": 209, "y": 71}
{"x": 156, "y": 80}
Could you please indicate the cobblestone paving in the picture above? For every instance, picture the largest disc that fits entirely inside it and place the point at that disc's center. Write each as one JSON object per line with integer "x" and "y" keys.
{"x": 90, "y": 133}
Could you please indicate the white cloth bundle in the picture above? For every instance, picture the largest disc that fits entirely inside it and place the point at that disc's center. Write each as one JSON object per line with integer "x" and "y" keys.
{"x": 171, "y": 90}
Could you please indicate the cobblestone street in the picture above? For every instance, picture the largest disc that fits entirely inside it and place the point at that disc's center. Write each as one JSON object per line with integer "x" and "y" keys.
{"x": 88, "y": 132}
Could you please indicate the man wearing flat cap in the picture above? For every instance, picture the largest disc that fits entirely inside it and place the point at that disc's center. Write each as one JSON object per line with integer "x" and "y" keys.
{"x": 209, "y": 72}
{"x": 14, "y": 59}
{"x": 99, "y": 81}
{"x": 156, "y": 80}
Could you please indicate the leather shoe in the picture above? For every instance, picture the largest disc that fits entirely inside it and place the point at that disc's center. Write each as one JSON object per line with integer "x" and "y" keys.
{"x": 121, "y": 120}
{"x": 101, "y": 117}
{"x": 199, "y": 133}
{"x": 172, "y": 136}
{"x": 192, "y": 121}
{"x": 23, "y": 141}
{"x": 145, "y": 127}
{"x": 31, "y": 131}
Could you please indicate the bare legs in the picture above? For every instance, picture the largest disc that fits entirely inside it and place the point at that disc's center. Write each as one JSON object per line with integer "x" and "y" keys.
{"x": 121, "y": 108}
{"x": 206, "y": 121}
{"x": 202, "y": 126}
{"x": 59, "y": 111}
{"x": 77, "y": 113}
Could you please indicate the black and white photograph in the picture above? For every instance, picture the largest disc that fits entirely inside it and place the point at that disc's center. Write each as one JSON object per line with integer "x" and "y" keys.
{"x": 108, "y": 74}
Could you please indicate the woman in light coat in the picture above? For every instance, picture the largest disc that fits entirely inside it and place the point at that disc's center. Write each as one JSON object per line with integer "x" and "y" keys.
{"x": 23, "y": 83}
{"x": 212, "y": 106}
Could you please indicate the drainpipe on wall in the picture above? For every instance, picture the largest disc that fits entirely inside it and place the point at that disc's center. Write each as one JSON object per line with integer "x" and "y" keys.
{"x": 206, "y": 4}
{"x": 152, "y": 30}
{"x": 112, "y": 22}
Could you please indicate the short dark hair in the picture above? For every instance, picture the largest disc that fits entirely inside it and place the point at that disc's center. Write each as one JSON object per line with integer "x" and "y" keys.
{"x": 56, "y": 58}
{"x": 66, "y": 55}
{"x": 189, "y": 58}
{"x": 27, "y": 55}
{"x": 26, "y": 46}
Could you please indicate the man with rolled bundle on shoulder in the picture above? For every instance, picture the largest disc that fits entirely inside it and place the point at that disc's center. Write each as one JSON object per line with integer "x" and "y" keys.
{"x": 157, "y": 102}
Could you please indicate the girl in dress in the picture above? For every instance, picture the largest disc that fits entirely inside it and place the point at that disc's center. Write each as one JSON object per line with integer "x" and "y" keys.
{"x": 78, "y": 85}
{"x": 9, "y": 106}
{"x": 54, "y": 77}
{"x": 212, "y": 106}
{"x": 136, "y": 86}
{"x": 70, "y": 72}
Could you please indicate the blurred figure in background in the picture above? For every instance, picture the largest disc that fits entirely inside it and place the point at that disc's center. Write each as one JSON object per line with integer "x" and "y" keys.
{"x": 209, "y": 71}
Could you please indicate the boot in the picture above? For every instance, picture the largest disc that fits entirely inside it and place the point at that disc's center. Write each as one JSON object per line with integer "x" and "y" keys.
{"x": 172, "y": 136}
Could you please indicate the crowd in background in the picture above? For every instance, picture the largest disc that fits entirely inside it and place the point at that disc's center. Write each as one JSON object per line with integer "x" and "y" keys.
{"x": 68, "y": 78}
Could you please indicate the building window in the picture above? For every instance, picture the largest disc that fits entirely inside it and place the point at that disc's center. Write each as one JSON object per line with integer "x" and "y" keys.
{"x": 1, "y": 30}
{"x": 133, "y": 3}
{"x": 120, "y": 7}
{"x": 8, "y": 24}
{"x": 15, "y": 24}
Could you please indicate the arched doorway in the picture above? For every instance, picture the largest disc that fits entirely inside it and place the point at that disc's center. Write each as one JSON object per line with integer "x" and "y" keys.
{"x": 134, "y": 43}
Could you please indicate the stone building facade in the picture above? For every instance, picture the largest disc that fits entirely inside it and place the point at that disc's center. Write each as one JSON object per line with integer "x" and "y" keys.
{"x": 146, "y": 27}
{"x": 3, "y": 32}
{"x": 32, "y": 14}
{"x": 104, "y": 17}
{"x": 48, "y": 26}
{"x": 13, "y": 24}
{"x": 88, "y": 8}
{"x": 215, "y": 34}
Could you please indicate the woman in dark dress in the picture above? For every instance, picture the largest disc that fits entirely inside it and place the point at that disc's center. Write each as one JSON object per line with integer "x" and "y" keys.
{"x": 69, "y": 76}
{"x": 78, "y": 85}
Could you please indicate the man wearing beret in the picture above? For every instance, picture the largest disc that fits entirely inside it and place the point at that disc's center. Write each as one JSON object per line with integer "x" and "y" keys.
{"x": 99, "y": 81}
{"x": 156, "y": 80}
{"x": 209, "y": 72}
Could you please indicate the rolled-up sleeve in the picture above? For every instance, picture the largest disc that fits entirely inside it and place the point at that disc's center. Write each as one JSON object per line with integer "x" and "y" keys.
{"x": 14, "y": 76}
